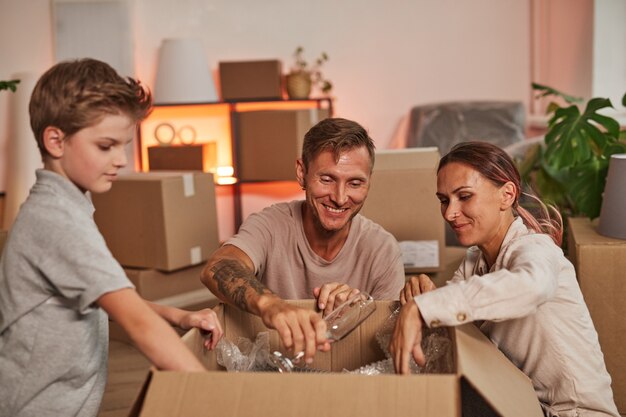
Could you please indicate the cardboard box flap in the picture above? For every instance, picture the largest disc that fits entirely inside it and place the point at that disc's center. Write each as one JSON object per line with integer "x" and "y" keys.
{"x": 227, "y": 394}
{"x": 426, "y": 158}
{"x": 493, "y": 376}
{"x": 586, "y": 233}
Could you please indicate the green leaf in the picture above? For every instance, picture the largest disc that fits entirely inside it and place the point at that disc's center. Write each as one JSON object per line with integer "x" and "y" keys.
{"x": 573, "y": 138}
{"x": 613, "y": 148}
{"x": 611, "y": 125}
{"x": 550, "y": 190}
{"x": 549, "y": 91}
{"x": 9, "y": 85}
{"x": 586, "y": 185}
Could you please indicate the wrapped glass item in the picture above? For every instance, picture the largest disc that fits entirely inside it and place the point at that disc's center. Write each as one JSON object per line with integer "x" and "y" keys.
{"x": 436, "y": 345}
{"x": 340, "y": 322}
{"x": 245, "y": 356}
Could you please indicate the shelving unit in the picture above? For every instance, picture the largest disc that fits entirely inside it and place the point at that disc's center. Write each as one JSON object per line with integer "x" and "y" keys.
{"x": 214, "y": 122}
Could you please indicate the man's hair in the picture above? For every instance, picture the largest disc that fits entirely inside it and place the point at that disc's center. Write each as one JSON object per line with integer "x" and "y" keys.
{"x": 73, "y": 95}
{"x": 336, "y": 135}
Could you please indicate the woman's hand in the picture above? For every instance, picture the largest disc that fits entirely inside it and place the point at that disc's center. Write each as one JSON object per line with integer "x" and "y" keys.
{"x": 207, "y": 322}
{"x": 415, "y": 286}
{"x": 407, "y": 339}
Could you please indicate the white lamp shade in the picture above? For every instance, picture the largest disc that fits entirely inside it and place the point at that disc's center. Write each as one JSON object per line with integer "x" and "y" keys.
{"x": 612, "y": 221}
{"x": 183, "y": 74}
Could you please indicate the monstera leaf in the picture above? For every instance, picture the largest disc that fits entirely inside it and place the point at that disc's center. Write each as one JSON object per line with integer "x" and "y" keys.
{"x": 586, "y": 185}
{"x": 570, "y": 171}
{"x": 574, "y": 138}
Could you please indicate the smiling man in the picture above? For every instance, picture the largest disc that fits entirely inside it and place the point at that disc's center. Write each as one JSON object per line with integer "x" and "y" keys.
{"x": 316, "y": 248}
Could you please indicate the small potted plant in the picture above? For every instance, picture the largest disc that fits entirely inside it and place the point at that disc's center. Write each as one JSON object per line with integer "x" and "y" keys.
{"x": 302, "y": 77}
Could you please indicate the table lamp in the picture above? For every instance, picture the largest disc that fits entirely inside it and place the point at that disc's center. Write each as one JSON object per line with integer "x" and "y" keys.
{"x": 183, "y": 74}
{"x": 612, "y": 221}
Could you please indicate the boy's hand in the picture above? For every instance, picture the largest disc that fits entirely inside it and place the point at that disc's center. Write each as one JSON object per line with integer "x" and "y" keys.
{"x": 207, "y": 322}
{"x": 331, "y": 294}
{"x": 415, "y": 286}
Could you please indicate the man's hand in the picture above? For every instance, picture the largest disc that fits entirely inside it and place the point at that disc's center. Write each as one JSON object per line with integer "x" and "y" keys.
{"x": 207, "y": 322}
{"x": 407, "y": 339}
{"x": 331, "y": 294}
{"x": 415, "y": 286}
{"x": 299, "y": 329}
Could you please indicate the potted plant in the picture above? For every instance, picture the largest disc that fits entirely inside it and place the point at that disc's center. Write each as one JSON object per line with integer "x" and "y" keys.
{"x": 302, "y": 77}
{"x": 9, "y": 85}
{"x": 569, "y": 170}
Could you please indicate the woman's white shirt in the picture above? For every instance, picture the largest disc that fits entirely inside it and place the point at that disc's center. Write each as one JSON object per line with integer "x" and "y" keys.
{"x": 533, "y": 310}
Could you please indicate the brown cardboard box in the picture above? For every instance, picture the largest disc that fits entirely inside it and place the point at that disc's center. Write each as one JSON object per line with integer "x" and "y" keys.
{"x": 200, "y": 157}
{"x": 153, "y": 285}
{"x": 402, "y": 200}
{"x": 270, "y": 141}
{"x": 160, "y": 220}
{"x": 181, "y": 289}
{"x": 482, "y": 374}
{"x": 600, "y": 264}
{"x": 248, "y": 80}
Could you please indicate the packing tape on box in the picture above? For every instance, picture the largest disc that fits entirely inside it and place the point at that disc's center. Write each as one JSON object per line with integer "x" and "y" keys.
{"x": 188, "y": 187}
{"x": 195, "y": 254}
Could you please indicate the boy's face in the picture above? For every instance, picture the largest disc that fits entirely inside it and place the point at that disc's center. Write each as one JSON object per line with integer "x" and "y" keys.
{"x": 92, "y": 156}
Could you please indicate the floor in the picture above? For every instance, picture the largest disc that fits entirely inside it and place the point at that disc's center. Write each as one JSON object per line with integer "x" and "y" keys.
{"x": 127, "y": 370}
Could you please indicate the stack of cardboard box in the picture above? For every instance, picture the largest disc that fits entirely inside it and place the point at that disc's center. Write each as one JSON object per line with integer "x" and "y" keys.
{"x": 600, "y": 263}
{"x": 162, "y": 227}
{"x": 402, "y": 200}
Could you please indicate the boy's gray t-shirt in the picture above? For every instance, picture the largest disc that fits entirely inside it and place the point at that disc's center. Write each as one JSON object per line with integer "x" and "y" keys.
{"x": 284, "y": 262}
{"x": 53, "y": 336}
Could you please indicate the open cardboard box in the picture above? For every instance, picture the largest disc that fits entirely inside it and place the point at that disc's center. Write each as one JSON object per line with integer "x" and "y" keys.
{"x": 485, "y": 382}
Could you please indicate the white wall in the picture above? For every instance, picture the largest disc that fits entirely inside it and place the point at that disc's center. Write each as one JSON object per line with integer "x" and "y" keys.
{"x": 384, "y": 56}
{"x": 609, "y": 52}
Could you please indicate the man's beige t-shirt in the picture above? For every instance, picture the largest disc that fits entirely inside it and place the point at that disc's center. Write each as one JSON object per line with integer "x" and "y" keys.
{"x": 274, "y": 239}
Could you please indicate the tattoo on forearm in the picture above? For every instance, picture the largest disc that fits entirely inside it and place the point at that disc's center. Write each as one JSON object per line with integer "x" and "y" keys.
{"x": 234, "y": 280}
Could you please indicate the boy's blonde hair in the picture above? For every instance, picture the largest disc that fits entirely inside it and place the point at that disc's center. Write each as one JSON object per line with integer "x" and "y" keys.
{"x": 73, "y": 95}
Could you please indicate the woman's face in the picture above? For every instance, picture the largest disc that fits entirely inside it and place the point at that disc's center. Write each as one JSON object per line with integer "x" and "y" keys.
{"x": 478, "y": 211}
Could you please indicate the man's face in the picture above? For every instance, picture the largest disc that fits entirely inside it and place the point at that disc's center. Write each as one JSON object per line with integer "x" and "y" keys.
{"x": 335, "y": 191}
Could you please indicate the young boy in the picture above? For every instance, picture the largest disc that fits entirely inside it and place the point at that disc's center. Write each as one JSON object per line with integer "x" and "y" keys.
{"x": 58, "y": 280}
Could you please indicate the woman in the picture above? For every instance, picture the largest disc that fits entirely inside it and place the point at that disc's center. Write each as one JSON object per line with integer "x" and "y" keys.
{"x": 516, "y": 280}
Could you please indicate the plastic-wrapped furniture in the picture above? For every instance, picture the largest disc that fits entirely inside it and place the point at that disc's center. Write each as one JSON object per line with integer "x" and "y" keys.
{"x": 445, "y": 124}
